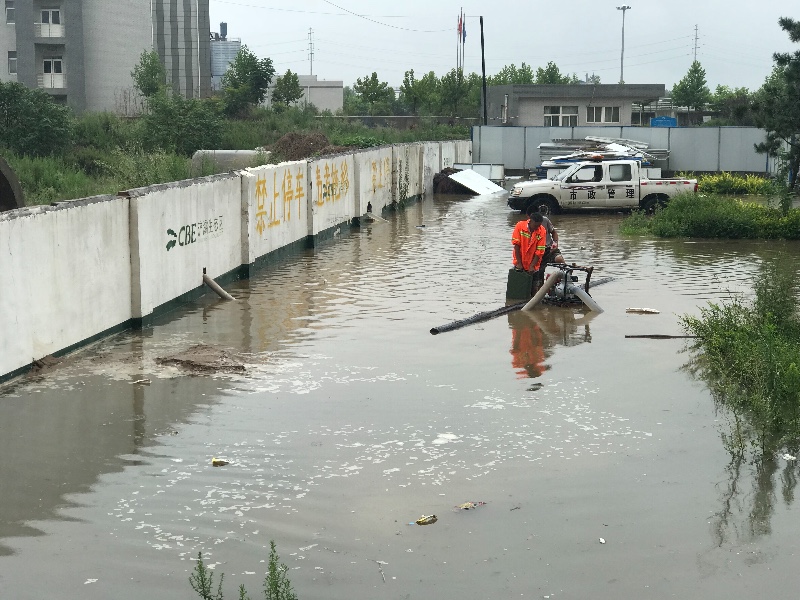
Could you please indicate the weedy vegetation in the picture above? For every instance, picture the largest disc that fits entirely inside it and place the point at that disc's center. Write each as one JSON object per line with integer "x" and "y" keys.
{"x": 276, "y": 584}
{"x": 749, "y": 353}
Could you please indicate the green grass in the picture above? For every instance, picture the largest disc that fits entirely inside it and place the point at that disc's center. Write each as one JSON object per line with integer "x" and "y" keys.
{"x": 749, "y": 353}
{"x": 713, "y": 216}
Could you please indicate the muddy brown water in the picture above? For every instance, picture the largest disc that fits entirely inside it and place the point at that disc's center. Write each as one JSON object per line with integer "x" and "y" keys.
{"x": 351, "y": 421}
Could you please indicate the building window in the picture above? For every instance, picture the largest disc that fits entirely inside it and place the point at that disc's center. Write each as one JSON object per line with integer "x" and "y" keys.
{"x": 51, "y": 16}
{"x": 12, "y": 62}
{"x": 602, "y": 114}
{"x": 10, "y": 12}
{"x": 560, "y": 116}
{"x": 52, "y": 65}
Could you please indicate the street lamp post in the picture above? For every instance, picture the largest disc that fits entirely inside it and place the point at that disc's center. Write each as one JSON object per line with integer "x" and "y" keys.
{"x": 622, "y": 54}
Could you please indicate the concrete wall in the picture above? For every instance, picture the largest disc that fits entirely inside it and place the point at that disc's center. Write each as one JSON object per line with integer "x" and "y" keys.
{"x": 179, "y": 229}
{"x": 431, "y": 164}
{"x": 70, "y": 272}
{"x": 65, "y": 276}
{"x": 406, "y": 171}
{"x": 447, "y": 154}
{"x": 331, "y": 198}
{"x": 373, "y": 180}
{"x": 691, "y": 148}
{"x": 274, "y": 208}
{"x": 463, "y": 151}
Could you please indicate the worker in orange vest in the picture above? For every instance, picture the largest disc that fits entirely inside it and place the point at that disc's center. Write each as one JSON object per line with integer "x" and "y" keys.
{"x": 530, "y": 242}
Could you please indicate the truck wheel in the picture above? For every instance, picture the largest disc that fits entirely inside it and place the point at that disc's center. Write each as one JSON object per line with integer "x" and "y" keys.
{"x": 543, "y": 205}
{"x": 650, "y": 205}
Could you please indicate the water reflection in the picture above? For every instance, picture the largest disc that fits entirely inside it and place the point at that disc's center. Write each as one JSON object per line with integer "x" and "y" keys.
{"x": 535, "y": 334}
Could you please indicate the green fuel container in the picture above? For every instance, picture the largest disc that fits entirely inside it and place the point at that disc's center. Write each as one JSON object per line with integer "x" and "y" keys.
{"x": 520, "y": 285}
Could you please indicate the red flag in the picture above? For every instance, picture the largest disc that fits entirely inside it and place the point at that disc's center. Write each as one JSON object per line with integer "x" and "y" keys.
{"x": 459, "y": 26}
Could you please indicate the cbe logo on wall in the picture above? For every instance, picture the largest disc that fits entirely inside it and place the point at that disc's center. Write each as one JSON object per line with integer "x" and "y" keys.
{"x": 195, "y": 232}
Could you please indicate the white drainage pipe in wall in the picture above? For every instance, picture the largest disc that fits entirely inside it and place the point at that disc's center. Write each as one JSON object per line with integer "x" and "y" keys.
{"x": 217, "y": 288}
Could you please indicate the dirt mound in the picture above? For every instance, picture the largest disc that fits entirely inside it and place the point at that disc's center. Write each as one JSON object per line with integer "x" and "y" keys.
{"x": 442, "y": 184}
{"x": 297, "y": 146}
{"x": 204, "y": 359}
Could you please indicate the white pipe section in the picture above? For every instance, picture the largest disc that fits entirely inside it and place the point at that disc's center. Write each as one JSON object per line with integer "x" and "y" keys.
{"x": 583, "y": 295}
{"x": 216, "y": 287}
{"x": 548, "y": 284}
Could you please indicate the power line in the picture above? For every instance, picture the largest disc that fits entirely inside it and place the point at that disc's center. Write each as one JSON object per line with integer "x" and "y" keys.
{"x": 384, "y": 24}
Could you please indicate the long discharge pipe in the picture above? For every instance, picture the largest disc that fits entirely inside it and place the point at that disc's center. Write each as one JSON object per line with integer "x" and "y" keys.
{"x": 491, "y": 314}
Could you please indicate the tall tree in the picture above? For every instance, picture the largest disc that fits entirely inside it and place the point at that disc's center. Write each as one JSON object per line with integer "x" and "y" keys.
{"x": 692, "y": 91}
{"x": 377, "y": 94}
{"x": 732, "y": 105}
{"x": 149, "y": 75}
{"x": 430, "y": 91}
{"x": 410, "y": 92}
{"x": 777, "y": 104}
{"x": 453, "y": 89}
{"x": 551, "y": 75}
{"x": 287, "y": 89}
{"x": 511, "y": 75}
{"x": 246, "y": 81}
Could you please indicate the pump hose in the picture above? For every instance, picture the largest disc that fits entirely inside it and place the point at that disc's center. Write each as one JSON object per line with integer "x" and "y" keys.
{"x": 491, "y": 314}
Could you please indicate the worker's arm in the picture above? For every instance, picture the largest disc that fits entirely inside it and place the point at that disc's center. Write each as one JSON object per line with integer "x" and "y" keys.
{"x": 518, "y": 257}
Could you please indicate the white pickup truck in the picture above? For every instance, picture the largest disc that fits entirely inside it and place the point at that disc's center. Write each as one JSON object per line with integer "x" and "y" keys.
{"x": 597, "y": 184}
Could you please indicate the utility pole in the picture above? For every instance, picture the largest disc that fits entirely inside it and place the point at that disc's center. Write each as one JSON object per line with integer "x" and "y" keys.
{"x": 695, "y": 43}
{"x": 311, "y": 50}
{"x": 622, "y": 55}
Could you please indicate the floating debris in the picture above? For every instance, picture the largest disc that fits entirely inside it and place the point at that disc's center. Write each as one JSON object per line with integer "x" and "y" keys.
{"x": 788, "y": 457}
{"x": 643, "y": 311}
{"x": 469, "y": 505}
{"x": 536, "y": 387}
{"x": 602, "y": 540}
{"x": 426, "y": 520}
{"x": 218, "y": 462}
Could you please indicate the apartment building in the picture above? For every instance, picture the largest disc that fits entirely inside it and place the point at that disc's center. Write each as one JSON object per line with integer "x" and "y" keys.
{"x": 82, "y": 52}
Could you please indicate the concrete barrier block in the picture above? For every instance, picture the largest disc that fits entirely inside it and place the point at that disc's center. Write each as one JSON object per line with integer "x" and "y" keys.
{"x": 431, "y": 164}
{"x": 274, "y": 208}
{"x": 65, "y": 276}
{"x": 448, "y": 155}
{"x": 331, "y": 198}
{"x": 177, "y": 230}
{"x": 406, "y": 171}
{"x": 373, "y": 179}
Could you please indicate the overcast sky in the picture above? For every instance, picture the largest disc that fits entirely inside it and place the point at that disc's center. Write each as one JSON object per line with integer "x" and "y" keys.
{"x": 353, "y": 38}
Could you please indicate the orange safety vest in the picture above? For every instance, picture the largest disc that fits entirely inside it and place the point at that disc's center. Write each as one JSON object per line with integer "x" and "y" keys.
{"x": 531, "y": 244}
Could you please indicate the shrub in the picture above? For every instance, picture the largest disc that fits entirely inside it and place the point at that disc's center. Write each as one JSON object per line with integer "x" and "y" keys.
{"x": 733, "y": 184}
{"x": 712, "y": 216}
{"x": 31, "y": 123}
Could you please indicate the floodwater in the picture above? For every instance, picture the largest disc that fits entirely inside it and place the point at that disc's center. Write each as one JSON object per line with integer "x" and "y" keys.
{"x": 352, "y": 421}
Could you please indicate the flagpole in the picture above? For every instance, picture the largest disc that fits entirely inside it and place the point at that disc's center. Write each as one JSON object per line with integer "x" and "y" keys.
{"x": 461, "y": 37}
{"x": 458, "y": 40}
